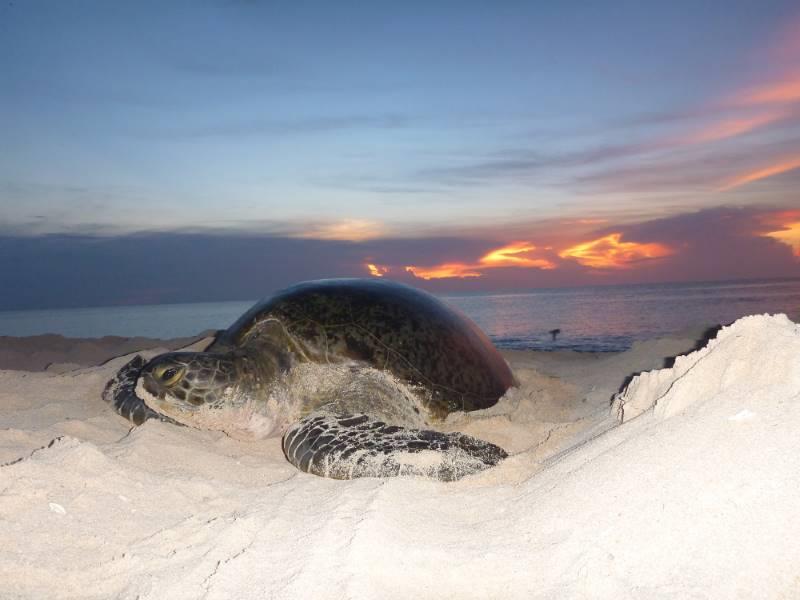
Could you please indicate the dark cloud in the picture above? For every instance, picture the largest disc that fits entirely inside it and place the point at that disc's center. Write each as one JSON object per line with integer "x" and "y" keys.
{"x": 53, "y": 271}
{"x": 65, "y": 271}
{"x": 719, "y": 243}
{"x": 62, "y": 271}
{"x": 536, "y": 162}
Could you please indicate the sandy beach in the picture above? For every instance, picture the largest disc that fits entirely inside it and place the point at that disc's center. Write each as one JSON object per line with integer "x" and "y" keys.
{"x": 685, "y": 486}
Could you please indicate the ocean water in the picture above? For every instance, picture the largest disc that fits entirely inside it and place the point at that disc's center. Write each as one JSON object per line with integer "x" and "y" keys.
{"x": 602, "y": 318}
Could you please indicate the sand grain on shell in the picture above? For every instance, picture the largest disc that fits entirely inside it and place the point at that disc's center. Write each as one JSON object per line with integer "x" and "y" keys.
{"x": 694, "y": 495}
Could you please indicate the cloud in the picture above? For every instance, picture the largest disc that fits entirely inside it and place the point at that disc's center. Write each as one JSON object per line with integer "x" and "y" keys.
{"x": 444, "y": 271}
{"x": 533, "y": 162}
{"x": 780, "y": 91}
{"x": 657, "y": 152}
{"x": 784, "y": 227}
{"x": 610, "y": 252}
{"x": 715, "y": 244}
{"x": 516, "y": 254}
{"x": 377, "y": 270}
{"x": 790, "y": 235}
{"x": 782, "y": 165}
{"x": 733, "y": 126}
{"x": 653, "y": 163}
{"x": 355, "y": 230}
{"x": 44, "y": 209}
{"x": 712, "y": 244}
{"x": 701, "y": 173}
{"x": 780, "y": 83}
{"x": 719, "y": 243}
{"x": 62, "y": 270}
{"x": 633, "y": 164}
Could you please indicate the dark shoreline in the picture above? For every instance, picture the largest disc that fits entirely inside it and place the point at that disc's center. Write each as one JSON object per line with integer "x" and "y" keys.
{"x": 40, "y": 352}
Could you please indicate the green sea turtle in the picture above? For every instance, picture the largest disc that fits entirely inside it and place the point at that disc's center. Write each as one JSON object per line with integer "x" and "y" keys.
{"x": 351, "y": 372}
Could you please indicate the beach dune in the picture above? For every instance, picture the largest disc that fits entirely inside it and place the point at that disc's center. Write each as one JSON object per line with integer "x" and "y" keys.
{"x": 686, "y": 484}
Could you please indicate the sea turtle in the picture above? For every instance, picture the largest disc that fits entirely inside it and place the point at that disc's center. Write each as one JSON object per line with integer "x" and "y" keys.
{"x": 351, "y": 372}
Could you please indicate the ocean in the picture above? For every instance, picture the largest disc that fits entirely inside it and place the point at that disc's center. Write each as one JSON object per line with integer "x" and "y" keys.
{"x": 591, "y": 319}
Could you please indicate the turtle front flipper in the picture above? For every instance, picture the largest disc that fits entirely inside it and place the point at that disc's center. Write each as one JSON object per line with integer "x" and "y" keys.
{"x": 120, "y": 392}
{"x": 350, "y": 446}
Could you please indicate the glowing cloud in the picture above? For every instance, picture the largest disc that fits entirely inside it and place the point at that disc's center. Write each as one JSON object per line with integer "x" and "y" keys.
{"x": 443, "y": 271}
{"x": 376, "y": 270}
{"x": 509, "y": 256}
{"x": 353, "y": 230}
{"x": 782, "y": 91}
{"x": 516, "y": 254}
{"x": 591, "y": 221}
{"x": 789, "y": 234}
{"x": 732, "y": 127}
{"x": 784, "y": 88}
{"x": 784, "y": 166}
{"x": 610, "y": 252}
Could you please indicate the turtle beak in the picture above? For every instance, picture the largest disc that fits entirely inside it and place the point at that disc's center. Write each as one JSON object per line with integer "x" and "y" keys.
{"x": 151, "y": 386}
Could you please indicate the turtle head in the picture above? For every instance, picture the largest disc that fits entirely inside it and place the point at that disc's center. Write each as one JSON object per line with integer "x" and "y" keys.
{"x": 178, "y": 384}
{"x": 225, "y": 391}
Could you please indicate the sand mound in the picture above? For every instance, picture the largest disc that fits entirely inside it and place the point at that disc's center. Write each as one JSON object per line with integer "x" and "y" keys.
{"x": 697, "y": 497}
{"x": 755, "y": 356}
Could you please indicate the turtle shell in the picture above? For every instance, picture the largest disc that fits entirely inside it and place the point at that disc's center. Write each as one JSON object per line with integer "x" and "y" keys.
{"x": 411, "y": 333}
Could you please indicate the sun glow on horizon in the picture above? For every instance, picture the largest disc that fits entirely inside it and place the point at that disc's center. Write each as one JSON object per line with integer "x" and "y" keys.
{"x": 610, "y": 252}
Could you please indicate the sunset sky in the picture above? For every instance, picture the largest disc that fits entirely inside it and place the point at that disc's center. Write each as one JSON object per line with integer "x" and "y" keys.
{"x": 161, "y": 149}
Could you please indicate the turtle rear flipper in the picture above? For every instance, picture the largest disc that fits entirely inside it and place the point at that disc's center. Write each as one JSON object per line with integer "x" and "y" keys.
{"x": 120, "y": 392}
{"x": 350, "y": 446}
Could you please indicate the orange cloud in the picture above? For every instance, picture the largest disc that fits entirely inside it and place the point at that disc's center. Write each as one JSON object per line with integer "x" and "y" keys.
{"x": 443, "y": 271}
{"x": 353, "y": 230}
{"x": 774, "y": 97}
{"x": 784, "y": 166}
{"x": 610, "y": 252}
{"x": 376, "y": 270}
{"x": 509, "y": 256}
{"x": 782, "y": 91}
{"x": 591, "y": 221}
{"x": 783, "y": 55}
{"x": 732, "y": 127}
{"x": 788, "y": 234}
{"x": 516, "y": 254}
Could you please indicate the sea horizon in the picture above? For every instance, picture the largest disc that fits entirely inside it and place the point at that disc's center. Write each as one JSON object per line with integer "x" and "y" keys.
{"x": 590, "y": 318}
{"x": 441, "y": 294}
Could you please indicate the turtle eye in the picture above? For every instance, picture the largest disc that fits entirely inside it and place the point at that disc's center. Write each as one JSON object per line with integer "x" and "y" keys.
{"x": 169, "y": 374}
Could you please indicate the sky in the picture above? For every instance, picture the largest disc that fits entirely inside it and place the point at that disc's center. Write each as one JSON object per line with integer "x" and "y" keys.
{"x": 211, "y": 150}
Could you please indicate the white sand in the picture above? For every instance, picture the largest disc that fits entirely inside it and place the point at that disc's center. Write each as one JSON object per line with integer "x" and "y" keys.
{"x": 695, "y": 495}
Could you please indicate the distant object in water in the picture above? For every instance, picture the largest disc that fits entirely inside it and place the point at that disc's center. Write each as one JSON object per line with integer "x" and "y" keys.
{"x": 554, "y": 333}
